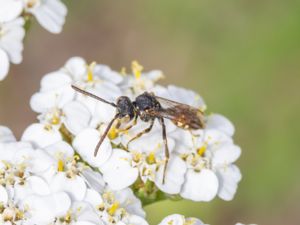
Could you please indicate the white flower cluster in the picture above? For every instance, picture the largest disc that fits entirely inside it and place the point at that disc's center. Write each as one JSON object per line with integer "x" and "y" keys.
{"x": 13, "y": 16}
{"x": 51, "y": 177}
{"x": 201, "y": 164}
{"x": 51, "y": 186}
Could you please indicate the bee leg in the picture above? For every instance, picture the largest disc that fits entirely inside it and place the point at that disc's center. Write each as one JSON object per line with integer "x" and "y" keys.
{"x": 167, "y": 152}
{"x": 130, "y": 126}
{"x": 147, "y": 130}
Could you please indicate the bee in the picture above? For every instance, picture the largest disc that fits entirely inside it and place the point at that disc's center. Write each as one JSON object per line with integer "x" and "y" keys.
{"x": 149, "y": 107}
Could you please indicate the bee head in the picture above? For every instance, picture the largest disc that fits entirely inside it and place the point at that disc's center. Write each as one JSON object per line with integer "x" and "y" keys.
{"x": 125, "y": 108}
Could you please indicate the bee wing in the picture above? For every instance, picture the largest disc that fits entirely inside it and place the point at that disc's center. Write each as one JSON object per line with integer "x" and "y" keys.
{"x": 167, "y": 103}
{"x": 181, "y": 114}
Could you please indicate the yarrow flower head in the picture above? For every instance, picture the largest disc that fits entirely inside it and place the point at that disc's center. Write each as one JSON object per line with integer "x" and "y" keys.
{"x": 201, "y": 161}
{"x": 52, "y": 185}
{"x": 14, "y": 14}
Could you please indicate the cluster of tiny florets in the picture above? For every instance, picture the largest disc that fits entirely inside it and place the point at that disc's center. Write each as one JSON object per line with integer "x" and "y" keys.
{"x": 54, "y": 161}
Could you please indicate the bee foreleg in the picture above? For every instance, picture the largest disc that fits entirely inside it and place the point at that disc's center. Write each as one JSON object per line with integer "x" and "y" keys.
{"x": 129, "y": 126}
{"x": 105, "y": 134}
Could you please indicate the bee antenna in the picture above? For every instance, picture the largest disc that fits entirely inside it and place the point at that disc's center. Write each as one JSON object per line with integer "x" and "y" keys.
{"x": 92, "y": 95}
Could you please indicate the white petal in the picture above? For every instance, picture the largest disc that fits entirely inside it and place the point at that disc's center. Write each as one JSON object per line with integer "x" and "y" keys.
{"x": 23, "y": 155}
{"x": 132, "y": 204}
{"x": 8, "y": 150}
{"x": 174, "y": 219}
{"x": 44, "y": 209}
{"x": 33, "y": 185}
{"x": 85, "y": 212}
{"x": 75, "y": 187}
{"x": 3, "y": 195}
{"x": 215, "y": 138}
{"x": 6, "y": 135}
{"x": 219, "y": 122}
{"x": 200, "y": 186}
{"x": 61, "y": 148}
{"x": 225, "y": 155}
{"x": 185, "y": 96}
{"x": 183, "y": 140}
{"x": 177, "y": 219}
{"x": 150, "y": 142}
{"x": 85, "y": 143}
{"x": 55, "y": 80}
{"x": 229, "y": 177}
{"x": 4, "y": 62}
{"x": 77, "y": 116}
{"x": 10, "y": 9}
{"x": 136, "y": 220}
{"x": 194, "y": 221}
{"x": 41, "y": 137}
{"x": 93, "y": 179}
{"x": 93, "y": 197}
{"x": 154, "y": 75}
{"x": 76, "y": 67}
{"x": 105, "y": 73}
{"x": 43, "y": 101}
{"x": 12, "y": 39}
{"x": 41, "y": 162}
{"x": 117, "y": 171}
{"x": 174, "y": 176}
{"x": 51, "y": 15}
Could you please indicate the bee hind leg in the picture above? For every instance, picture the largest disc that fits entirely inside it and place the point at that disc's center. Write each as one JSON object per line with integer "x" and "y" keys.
{"x": 167, "y": 152}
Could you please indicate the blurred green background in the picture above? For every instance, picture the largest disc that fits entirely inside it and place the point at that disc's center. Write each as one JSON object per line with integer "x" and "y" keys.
{"x": 242, "y": 56}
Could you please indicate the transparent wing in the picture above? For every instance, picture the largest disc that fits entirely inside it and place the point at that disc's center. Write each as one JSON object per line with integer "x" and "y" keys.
{"x": 180, "y": 114}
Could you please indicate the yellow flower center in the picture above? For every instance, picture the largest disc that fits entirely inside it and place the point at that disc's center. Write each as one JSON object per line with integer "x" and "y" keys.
{"x": 60, "y": 166}
{"x": 55, "y": 119}
{"x": 201, "y": 150}
{"x": 113, "y": 208}
{"x": 90, "y": 74}
{"x": 136, "y": 69}
{"x": 151, "y": 158}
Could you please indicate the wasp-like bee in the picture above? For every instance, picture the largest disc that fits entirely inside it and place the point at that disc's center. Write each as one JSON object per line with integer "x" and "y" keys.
{"x": 149, "y": 107}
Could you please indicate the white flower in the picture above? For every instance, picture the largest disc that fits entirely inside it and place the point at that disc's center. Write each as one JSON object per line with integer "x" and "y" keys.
{"x": 117, "y": 207}
{"x": 11, "y": 44}
{"x": 44, "y": 209}
{"x": 40, "y": 135}
{"x": 139, "y": 82}
{"x": 49, "y": 13}
{"x": 209, "y": 158}
{"x": 177, "y": 219}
